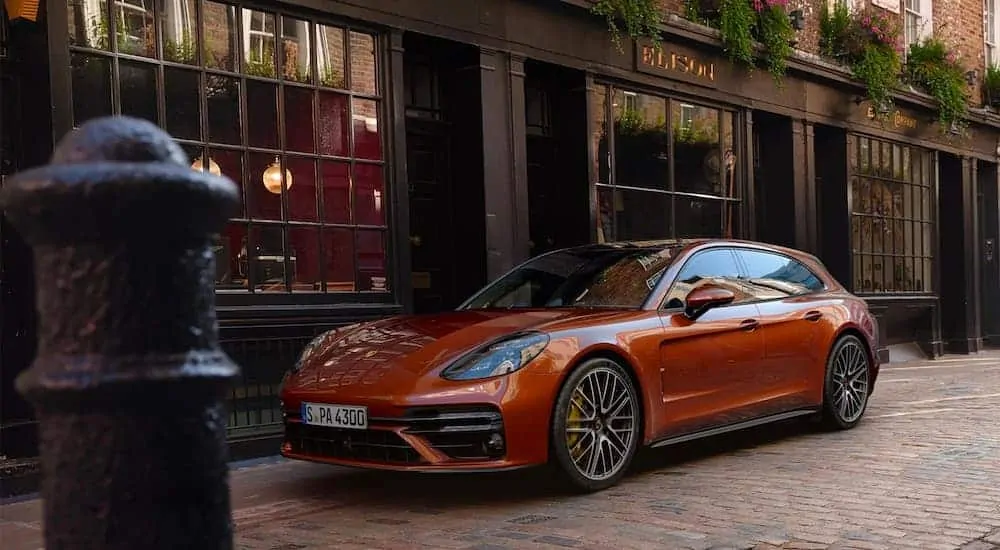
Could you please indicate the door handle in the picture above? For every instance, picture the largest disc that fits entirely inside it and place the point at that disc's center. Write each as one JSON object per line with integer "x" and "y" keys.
{"x": 749, "y": 324}
{"x": 813, "y": 316}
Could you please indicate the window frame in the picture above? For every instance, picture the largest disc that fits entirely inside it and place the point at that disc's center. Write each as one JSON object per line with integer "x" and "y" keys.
{"x": 925, "y": 22}
{"x": 727, "y": 247}
{"x": 735, "y": 250}
{"x": 991, "y": 33}
{"x": 742, "y": 198}
{"x": 61, "y": 51}
{"x": 743, "y": 265}
{"x": 929, "y": 253}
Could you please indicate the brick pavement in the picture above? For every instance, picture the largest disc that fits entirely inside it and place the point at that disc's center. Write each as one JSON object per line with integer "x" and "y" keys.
{"x": 922, "y": 471}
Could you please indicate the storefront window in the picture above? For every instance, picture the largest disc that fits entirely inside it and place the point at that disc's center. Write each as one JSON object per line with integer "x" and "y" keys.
{"x": 892, "y": 221}
{"x": 666, "y": 168}
{"x": 289, "y": 108}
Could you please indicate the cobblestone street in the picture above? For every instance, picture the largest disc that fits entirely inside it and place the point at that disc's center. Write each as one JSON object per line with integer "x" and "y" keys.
{"x": 921, "y": 471}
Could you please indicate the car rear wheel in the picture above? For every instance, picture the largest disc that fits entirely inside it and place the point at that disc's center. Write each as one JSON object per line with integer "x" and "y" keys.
{"x": 595, "y": 426}
{"x": 847, "y": 387}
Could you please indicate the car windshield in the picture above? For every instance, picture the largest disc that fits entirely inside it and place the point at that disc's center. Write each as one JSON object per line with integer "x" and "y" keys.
{"x": 582, "y": 277}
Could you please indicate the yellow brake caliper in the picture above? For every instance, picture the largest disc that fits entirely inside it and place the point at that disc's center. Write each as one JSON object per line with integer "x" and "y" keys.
{"x": 573, "y": 418}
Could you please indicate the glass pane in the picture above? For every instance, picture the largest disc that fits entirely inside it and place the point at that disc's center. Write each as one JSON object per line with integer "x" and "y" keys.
{"x": 330, "y": 57}
{"x": 367, "y": 138}
{"x": 179, "y": 21}
{"x": 295, "y": 49}
{"x": 218, "y": 24}
{"x": 258, "y": 43}
{"x": 697, "y": 157}
{"x": 336, "y": 192}
{"x": 606, "y": 230}
{"x": 230, "y": 164}
{"x": 371, "y": 261}
{"x": 698, "y": 217}
{"x": 263, "y": 186}
{"x": 303, "y": 243}
{"x": 231, "y": 257}
{"x": 924, "y": 283}
{"x": 138, "y": 90}
{"x": 262, "y": 111}
{"x": 182, "y": 103}
{"x": 299, "y": 119}
{"x": 729, "y": 157}
{"x": 134, "y": 32}
{"x": 599, "y": 135}
{"x": 91, "y": 76}
{"x": 223, "y": 98}
{"x": 369, "y": 195}
{"x": 363, "y": 68}
{"x": 338, "y": 247}
{"x": 88, "y": 24}
{"x": 267, "y": 259}
{"x": 640, "y": 140}
{"x": 640, "y": 215}
{"x": 333, "y": 127}
{"x": 302, "y": 195}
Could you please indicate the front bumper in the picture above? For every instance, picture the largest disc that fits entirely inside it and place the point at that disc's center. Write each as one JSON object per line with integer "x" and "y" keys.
{"x": 425, "y": 438}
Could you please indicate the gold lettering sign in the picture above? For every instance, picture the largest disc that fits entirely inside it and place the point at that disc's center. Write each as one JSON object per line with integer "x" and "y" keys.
{"x": 674, "y": 64}
{"x": 898, "y": 119}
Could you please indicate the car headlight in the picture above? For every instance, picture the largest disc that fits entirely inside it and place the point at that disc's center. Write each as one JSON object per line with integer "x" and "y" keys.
{"x": 498, "y": 358}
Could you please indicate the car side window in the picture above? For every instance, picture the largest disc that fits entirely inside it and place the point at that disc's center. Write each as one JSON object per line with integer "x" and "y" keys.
{"x": 773, "y": 276}
{"x": 717, "y": 267}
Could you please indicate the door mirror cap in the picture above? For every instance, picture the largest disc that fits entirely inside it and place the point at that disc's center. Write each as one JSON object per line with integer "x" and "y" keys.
{"x": 704, "y": 298}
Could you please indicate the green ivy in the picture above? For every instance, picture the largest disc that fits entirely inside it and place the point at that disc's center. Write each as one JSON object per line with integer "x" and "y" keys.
{"x": 642, "y": 19}
{"x": 867, "y": 42}
{"x": 931, "y": 66}
{"x": 878, "y": 68}
{"x": 736, "y": 22}
{"x": 775, "y": 32}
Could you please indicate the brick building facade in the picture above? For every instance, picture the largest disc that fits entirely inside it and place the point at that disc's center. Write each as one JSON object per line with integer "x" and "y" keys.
{"x": 395, "y": 156}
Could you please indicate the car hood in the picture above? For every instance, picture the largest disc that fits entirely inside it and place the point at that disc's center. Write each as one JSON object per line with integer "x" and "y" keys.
{"x": 406, "y": 348}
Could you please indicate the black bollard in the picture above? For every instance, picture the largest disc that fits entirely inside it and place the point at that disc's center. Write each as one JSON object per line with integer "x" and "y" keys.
{"x": 129, "y": 380}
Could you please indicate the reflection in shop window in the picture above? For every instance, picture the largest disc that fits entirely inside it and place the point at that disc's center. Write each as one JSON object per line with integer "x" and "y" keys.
{"x": 313, "y": 215}
{"x": 134, "y": 31}
{"x": 892, "y": 222}
{"x": 674, "y": 168}
{"x": 179, "y": 24}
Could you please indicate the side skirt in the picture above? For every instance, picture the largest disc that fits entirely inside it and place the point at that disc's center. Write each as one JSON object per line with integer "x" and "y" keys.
{"x": 673, "y": 440}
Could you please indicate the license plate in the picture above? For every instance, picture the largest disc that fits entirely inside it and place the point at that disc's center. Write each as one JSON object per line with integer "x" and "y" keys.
{"x": 335, "y": 416}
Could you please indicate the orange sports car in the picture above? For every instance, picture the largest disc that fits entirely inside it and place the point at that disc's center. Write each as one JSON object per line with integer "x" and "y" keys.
{"x": 578, "y": 357}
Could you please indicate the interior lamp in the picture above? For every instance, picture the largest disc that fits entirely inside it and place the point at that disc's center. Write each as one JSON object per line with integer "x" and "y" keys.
{"x": 213, "y": 167}
{"x": 272, "y": 177}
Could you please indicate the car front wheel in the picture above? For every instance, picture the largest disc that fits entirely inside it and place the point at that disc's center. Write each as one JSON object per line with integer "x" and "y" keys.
{"x": 596, "y": 425}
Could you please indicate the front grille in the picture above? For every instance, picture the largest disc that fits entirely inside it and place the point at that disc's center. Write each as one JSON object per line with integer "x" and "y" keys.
{"x": 469, "y": 433}
{"x": 364, "y": 445}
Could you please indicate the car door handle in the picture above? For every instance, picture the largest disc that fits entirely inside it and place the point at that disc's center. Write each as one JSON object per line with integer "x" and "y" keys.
{"x": 749, "y": 324}
{"x": 813, "y": 316}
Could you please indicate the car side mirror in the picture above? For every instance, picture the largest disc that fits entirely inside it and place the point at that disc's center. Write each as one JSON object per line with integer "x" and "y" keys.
{"x": 702, "y": 299}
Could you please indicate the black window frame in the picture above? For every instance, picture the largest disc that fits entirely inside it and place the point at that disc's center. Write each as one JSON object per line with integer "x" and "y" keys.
{"x": 927, "y": 187}
{"x": 60, "y": 69}
{"x": 742, "y": 200}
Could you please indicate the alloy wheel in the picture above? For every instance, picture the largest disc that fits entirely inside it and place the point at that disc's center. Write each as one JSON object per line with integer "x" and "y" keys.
{"x": 849, "y": 379}
{"x": 601, "y": 423}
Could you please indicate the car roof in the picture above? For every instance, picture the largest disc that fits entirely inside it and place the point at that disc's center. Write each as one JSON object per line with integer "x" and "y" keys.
{"x": 685, "y": 243}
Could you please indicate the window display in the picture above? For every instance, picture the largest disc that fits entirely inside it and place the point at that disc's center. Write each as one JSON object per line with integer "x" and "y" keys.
{"x": 288, "y": 108}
